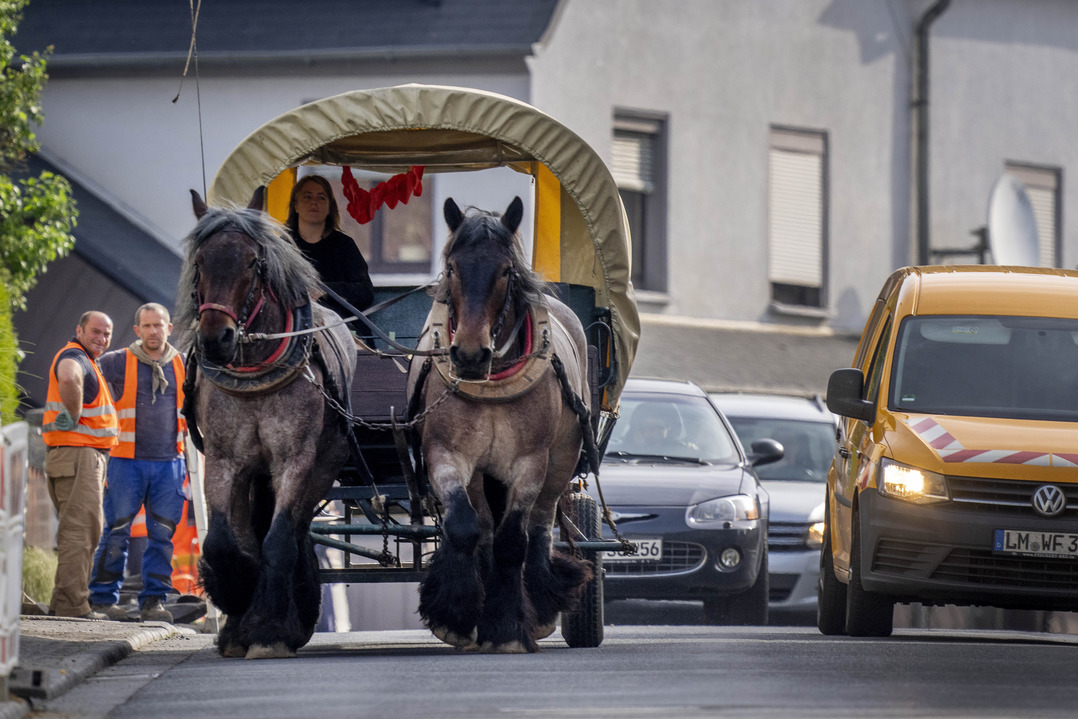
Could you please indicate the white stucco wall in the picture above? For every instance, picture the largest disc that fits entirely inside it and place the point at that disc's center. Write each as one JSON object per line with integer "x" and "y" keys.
{"x": 126, "y": 136}
{"x": 1004, "y": 79}
{"x": 1004, "y": 87}
{"x": 725, "y": 72}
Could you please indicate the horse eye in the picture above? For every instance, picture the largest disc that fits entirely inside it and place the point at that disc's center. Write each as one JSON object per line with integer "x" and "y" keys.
{"x": 507, "y": 271}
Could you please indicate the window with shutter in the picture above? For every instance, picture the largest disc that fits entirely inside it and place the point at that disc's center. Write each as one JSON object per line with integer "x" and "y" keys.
{"x": 638, "y": 164}
{"x": 1042, "y": 187}
{"x": 796, "y": 218}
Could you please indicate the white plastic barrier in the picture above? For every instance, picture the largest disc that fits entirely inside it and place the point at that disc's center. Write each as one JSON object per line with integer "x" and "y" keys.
{"x": 13, "y": 469}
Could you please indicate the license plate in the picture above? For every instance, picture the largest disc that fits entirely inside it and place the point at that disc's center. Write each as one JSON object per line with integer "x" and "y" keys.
{"x": 647, "y": 550}
{"x": 1036, "y": 544}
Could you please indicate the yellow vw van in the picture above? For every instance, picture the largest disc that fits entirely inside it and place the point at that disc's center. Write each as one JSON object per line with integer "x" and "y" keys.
{"x": 955, "y": 478}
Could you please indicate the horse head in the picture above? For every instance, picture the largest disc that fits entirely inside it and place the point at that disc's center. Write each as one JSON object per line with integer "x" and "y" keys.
{"x": 229, "y": 284}
{"x": 481, "y": 268}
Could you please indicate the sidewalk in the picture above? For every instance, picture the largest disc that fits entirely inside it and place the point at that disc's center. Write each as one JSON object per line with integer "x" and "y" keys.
{"x": 56, "y": 653}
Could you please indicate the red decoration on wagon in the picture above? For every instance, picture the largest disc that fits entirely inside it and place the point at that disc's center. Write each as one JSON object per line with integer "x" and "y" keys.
{"x": 362, "y": 205}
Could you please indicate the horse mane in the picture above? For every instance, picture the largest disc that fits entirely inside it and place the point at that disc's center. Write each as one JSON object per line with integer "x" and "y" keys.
{"x": 292, "y": 278}
{"x": 479, "y": 225}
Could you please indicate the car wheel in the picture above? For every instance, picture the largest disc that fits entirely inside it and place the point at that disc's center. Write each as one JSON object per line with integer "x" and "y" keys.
{"x": 584, "y": 626}
{"x": 831, "y": 593}
{"x": 748, "y": 608}
{"x": 868, "y": 614}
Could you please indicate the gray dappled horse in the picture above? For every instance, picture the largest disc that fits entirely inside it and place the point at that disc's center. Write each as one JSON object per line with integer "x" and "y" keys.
{"x": 272, "y": 446}
{"x": 502, "y": 446}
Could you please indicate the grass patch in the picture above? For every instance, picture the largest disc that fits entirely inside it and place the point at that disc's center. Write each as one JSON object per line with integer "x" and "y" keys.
{"x": 38, "y": 573}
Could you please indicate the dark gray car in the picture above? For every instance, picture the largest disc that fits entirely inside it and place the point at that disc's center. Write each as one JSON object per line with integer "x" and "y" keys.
{"x": 679, "y": 485}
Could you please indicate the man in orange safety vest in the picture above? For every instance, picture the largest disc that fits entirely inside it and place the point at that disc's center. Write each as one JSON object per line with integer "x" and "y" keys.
{"x": 79, "y": 427}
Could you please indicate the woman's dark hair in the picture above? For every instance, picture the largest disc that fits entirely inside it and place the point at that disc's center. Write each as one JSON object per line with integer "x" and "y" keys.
{"x": 333, "y": 219}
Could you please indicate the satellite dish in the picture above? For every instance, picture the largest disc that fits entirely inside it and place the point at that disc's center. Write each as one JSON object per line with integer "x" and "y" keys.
{"x": 1012, "y": 228}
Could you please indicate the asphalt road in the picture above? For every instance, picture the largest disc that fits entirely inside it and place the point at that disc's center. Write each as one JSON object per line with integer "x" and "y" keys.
{"x": 679, "y": 671}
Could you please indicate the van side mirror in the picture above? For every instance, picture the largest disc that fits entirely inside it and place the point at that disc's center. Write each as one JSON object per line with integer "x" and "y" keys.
{"x": 844, "y": 391}
{"x": 765, "y": 451}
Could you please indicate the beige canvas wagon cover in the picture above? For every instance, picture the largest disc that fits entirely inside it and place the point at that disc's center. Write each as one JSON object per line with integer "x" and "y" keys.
{"x": 450, "y": 129}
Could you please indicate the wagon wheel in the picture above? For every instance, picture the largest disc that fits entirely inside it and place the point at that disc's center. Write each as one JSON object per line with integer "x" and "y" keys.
{"x": 584, "y": 627}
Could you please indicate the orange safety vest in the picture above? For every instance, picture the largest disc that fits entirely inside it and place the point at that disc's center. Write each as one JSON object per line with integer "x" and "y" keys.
{"x": 97, "y": 425}
{"x": 125, "y": 407}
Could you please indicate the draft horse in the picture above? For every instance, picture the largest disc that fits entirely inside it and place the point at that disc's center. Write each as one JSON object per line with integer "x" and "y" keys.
{"x": 272, "y": 446}
{"x": 503, "y": 442}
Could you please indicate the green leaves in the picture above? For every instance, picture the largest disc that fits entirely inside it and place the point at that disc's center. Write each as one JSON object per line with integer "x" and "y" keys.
{"x": 37, "y": 214}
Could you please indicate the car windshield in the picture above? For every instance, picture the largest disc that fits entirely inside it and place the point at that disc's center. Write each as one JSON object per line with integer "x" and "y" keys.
{"x": 808, "y": 446}
{"x": 987, "y": 366}
{"x": 666, "y": 425}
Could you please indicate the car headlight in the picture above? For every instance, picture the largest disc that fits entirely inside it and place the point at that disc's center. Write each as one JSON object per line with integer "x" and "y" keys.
{"x": 814, "y": 535}
{"x": 911, "y": 484}
{"x": 724, "y": 509}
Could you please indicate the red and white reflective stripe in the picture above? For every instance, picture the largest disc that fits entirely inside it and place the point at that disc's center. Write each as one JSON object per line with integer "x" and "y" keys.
{"x": 1065, "y": 460}
{"x": 951, "y": 450}
{"x": 932, "y": 432}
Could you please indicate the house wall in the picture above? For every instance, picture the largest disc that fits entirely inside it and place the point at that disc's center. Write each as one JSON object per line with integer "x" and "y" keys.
{"x": 126, "y": 137}
{"x": 1003, "y": 82}
{"x": 1004, "y": 88}
{"x": 1004, "y": 79}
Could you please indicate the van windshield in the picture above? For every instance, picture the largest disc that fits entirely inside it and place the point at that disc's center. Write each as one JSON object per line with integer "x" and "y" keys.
{"x": 987, "y": 366}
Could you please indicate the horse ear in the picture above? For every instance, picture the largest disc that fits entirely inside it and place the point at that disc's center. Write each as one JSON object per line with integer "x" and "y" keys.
{"x": 453, "y": 215}
{"x": 198, "y": 205}
{"x": 258, "y": 199}
{"x": 513, "y": 214}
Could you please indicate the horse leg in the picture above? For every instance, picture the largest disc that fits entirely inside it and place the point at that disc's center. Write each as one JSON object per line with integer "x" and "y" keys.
{"x": 307, "y": 588}
{"x": 554, "y": 580}
{"x": 508, "y": 619}
{"x": 452, "y": 592}
{"x": 229, "y": 576}
{"x": 272, "y": 622}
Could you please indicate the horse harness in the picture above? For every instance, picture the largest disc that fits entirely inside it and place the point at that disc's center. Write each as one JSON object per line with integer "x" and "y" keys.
{"x": 290, "y": 360}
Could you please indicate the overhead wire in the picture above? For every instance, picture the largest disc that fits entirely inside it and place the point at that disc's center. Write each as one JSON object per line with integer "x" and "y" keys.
{"x": 192, "y": 54}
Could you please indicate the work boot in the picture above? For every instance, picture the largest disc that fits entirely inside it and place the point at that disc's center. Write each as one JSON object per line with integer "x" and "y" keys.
{"x": 112, "y": 611}
{"x": 154, "y": 611}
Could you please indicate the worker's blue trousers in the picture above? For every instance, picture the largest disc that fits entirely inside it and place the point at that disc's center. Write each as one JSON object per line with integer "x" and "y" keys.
{"x": 133, "y": 483}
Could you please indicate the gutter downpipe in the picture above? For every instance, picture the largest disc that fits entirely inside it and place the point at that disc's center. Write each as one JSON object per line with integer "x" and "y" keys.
{"x": 920, "y": 109}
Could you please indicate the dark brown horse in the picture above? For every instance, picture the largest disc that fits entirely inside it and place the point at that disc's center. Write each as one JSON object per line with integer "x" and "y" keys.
{"x": 501, "y": 447}
{"x": 272, "y": 446}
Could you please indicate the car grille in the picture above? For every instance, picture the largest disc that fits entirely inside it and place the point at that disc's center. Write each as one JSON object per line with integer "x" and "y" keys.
{"x": 781, "y": 586}
{"x": 969, "y": 566}
{"x": 787, "y": 536}
{"x": 1005, "y": 495}
{"x": 678, "y": 557}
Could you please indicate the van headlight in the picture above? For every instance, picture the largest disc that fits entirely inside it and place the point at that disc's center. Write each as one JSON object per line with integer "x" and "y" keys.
{"x": 724, "y": 509}
{"x": 814, "y": 535}
{"x": 911, "y": 484}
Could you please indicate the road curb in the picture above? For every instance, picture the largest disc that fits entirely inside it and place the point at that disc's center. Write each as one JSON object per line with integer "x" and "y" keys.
{"x": 28, "y": 682}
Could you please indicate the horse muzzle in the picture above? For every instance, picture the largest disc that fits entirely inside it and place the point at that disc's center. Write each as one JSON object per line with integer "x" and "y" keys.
{"x": 218, "y": 339}
{"x": 471, "y": 365}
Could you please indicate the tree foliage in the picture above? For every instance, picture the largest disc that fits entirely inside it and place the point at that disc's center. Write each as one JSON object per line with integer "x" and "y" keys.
{"x": 37, "y": 214}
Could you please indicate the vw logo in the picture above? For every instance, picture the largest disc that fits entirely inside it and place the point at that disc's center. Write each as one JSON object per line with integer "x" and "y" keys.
{"x": 1049, "y": 500}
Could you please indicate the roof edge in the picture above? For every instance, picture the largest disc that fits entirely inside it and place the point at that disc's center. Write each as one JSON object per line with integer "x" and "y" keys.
{"x": 212, "y": 59}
